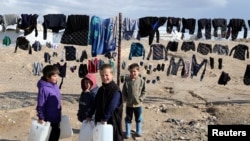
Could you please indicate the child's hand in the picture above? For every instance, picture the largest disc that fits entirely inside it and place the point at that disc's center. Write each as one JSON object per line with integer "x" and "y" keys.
{"x": 88, "y": 87}
{"x": 88, "y": 119}
{"x": 40, "y": 121}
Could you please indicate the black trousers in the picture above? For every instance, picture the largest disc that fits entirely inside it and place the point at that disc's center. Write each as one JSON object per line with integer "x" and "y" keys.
{"x": 55, "y": 132}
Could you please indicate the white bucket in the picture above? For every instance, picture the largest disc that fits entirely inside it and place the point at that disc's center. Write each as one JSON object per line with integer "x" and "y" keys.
{"x": 39, "y": 132}
{"x": 86, "y": 131}
{"x": 65, "y": 127}
{"x": 103, "y": 132}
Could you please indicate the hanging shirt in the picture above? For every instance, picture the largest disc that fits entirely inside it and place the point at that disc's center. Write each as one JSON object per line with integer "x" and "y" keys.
{"x": 136, "y": 50}
{"x": 158, "y": 51}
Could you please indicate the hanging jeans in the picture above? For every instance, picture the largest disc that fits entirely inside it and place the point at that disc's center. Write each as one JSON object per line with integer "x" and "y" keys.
{"x": 222, "y": 23}
{"x": 204, "y": 23}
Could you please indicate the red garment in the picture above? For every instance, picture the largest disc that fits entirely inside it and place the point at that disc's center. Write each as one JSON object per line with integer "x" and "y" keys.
{"x": 92, "y": 65}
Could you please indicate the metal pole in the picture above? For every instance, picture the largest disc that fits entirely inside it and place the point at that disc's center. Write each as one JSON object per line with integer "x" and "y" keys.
{"x": 119, "y": 49}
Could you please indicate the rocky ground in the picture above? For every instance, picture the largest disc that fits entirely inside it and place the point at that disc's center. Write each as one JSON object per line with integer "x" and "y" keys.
{"x": 165, "y": 118}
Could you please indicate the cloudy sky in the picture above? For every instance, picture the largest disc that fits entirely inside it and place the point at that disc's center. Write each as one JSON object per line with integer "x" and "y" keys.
{"x": 131, "y": 8}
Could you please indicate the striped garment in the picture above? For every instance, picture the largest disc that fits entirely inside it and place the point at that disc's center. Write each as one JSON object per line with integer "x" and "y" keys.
{"x": 136, "y": 50}
{"x": 188, "y": 45}
{"x": 158, "y": 52}
{"x": 221, "y": 49}
{"x": 204, "y": 48}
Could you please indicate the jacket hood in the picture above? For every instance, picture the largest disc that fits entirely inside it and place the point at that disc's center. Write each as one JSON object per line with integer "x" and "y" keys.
{"x": 43, "y": 82}
{"x": 90, "y": 77}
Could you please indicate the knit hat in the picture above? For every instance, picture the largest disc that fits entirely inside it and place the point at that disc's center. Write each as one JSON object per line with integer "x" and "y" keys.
{"x": 92, "y": 78}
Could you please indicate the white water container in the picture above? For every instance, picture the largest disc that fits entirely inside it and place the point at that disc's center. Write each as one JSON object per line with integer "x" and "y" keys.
{"x": 103, "y": 132}
{"x": 65, "y": 127}
{"x": 86, "y": 131}
{"x": 39, "y": 132}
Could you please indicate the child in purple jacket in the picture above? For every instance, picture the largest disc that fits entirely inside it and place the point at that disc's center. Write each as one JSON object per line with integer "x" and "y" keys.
{"x": 49, "y": 100}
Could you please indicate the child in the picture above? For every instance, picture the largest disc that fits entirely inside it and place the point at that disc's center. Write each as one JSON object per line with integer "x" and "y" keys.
{"x": 49, "y": 100}
{"x": 108, "y": 106}
{"x": 134, "y": 92}
{"x": 89, "y": 90}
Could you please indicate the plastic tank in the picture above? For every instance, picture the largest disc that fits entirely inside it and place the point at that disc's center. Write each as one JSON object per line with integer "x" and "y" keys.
{"x": 65, "y": 127}
{"x": 86, "y": 131}
{"x": 103, "y": 132}
{"x": 39, "y": 132}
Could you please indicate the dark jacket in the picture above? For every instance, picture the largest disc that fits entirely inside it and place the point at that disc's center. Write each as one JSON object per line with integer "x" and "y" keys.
{"x": 23, "y": 44}
{"x": 234, "y": 26}
{"x": 48, "y": 101}
{"x": 148, "y": 26}
{"x": 55, "y": 22}
{"x": 28, "y": 23}
{"x": 85, "y": 102}
{"x": 103, "y": 100}
{"x": 241, "y": 52}
{"x": 77, "y": 30}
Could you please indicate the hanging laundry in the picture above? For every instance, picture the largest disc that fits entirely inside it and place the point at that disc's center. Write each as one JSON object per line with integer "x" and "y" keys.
{"x": 204, "y": 48}
{"x": 195, "y": 67}
{"x": 149, "y": 26}
{"x": 136, "y": 50}
{"x": 234, "y": 26}
{"x": 102, "y": 36}
{"x": 62, "y": 69}
{"x": 241, "y": 52}
{"x": 92, "y": 65}
{"x": 173, "y": 22}
{"x": 10, "y": 19}
{"x": 204, "y": 24}
{"x": 158, "y": 51}
{"x": 77, "y": 30}
{"x": 174, "y": 67}
{"x": 28, "y": 23}
{"x": 37, "y": 68}
{"x": 23, "y": 43}
{"x": 70, "y": 53}
{"x": 220, "y": 23}
{"x": 188, "y": 24}
{"x": 6, "y": 41}
{"x": 83, "y": 70}
{"x": 129, "y": 27}
{"x": 221, "y": 49}
{"x": 188, "y": 45}
{"x": 37, "y": 46}
{"x": 55, "y": 22}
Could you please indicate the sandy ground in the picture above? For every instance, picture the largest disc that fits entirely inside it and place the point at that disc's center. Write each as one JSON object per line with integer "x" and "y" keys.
{"x": 175, "y": 108}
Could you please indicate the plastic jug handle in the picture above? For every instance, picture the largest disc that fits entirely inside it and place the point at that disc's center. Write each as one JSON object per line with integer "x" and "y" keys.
{"x": 105, "y": 122}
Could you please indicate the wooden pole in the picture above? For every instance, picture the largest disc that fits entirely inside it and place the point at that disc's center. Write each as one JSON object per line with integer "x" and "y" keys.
{"x": 119, "y": 49}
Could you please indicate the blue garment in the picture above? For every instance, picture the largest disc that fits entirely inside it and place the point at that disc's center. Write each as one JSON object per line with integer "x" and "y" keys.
{"x": 48, "y": 101}
{"x": 136, "y": 50}
{"x": 102, "y": 35}
{"x": 95, "y": 38}
{"x": 109, "y": 35}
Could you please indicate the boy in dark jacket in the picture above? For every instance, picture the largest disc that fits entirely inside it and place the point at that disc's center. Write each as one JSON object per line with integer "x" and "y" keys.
{"x": 108, "y": 106}
{"x": 49, "y": 101}
{"x": 89, "y": 90}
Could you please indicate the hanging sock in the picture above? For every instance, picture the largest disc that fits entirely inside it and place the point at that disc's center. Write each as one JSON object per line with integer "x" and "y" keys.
{"x": 220, "y": 63}
{"x": 211, "y": 62}
{"x": 35, "y": 68}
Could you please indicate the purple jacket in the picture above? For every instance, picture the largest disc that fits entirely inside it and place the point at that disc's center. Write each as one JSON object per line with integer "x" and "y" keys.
{"x": 48, "y": 101}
